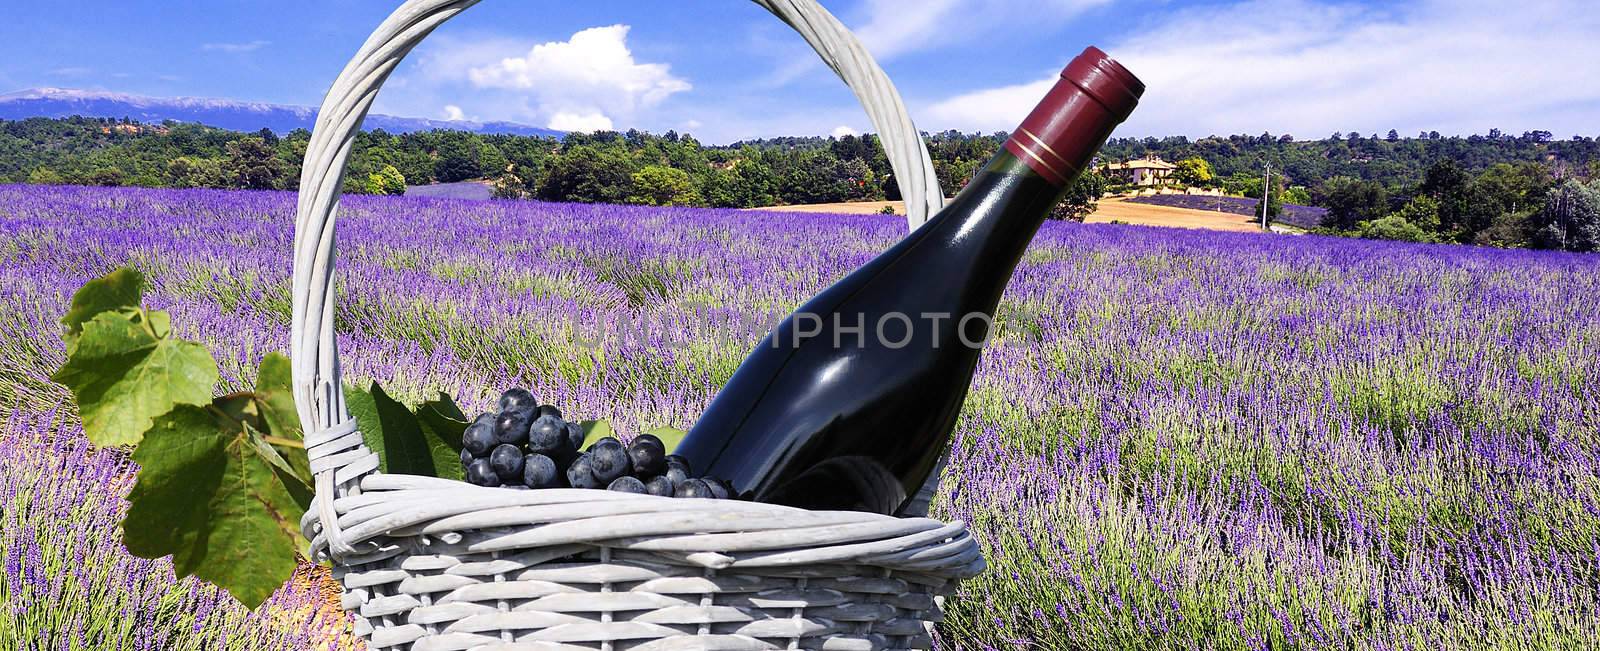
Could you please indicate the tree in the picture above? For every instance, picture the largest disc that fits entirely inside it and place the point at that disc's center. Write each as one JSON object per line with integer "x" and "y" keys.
{"x": 1193, "y": 171}
{"x": 460, "y": 158}
{"x": 1350, "y": 201}
{"x": 186, "y": 172}
{"x": 1082, "y": 197}
{"x": 716, "y": 187}
{"x": 659, "y": 185}
{"x": 252, "y": 165}
{"x": 45, "y": 176}
{"x": 1394, "y": 136}
{"x": 1393, "y": 227}
{"x": 1450, "y": 187}
{"x": 387, "y": 181}
{"x": 1516, "y": 187}
{"x": 106, "y": 176}
{"x": 587, "y": 174}
{"x": 1422, "y": 211}
{"x": 754, "y": 184}
{"x": 1570, "y": 219}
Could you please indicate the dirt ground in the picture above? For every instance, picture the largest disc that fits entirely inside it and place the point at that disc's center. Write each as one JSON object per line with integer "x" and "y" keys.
{"x": 1109, "y": 210}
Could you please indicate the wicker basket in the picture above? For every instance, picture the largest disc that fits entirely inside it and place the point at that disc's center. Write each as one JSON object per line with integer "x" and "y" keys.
{"x": 433, "y": 565}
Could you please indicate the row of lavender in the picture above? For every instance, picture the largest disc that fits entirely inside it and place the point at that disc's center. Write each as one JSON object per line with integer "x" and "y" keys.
{"x": 1307, "y": 217}
{"x": 1183, "y": 439}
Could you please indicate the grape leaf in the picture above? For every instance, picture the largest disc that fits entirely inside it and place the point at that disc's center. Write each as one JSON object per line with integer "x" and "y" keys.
{"x": 426, "y": 443}
{"x": 593, "y": 431}
{"x": 670, "y": 437}
{"x": 118, "y": 291}
{"x": 442, "y": 425}
{"x": 123, "y": 375}
{"x": 274, "y": 401}
{"x": 275, "y": 397}
{"x": 211, "y": 494}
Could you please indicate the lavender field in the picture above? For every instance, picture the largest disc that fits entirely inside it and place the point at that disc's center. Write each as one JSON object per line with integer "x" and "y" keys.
{"x": 1193, "y": 440}
{"x": 1306, "y": 217}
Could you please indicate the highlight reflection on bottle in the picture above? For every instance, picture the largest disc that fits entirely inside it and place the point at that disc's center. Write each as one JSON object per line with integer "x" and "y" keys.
{"x": 820, "y": 418}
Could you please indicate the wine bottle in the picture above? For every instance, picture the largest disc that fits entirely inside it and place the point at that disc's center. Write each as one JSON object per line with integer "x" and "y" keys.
{"x": 849, "y": 402}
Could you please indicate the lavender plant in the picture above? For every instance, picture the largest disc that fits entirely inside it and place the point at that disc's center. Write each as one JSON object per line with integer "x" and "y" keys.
{"x": 1182, "y": 439}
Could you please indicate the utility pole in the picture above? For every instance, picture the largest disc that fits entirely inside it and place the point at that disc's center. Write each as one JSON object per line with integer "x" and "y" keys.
{"x": 1266, "y": 191}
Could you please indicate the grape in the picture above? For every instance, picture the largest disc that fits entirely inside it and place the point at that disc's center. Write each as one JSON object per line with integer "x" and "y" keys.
{"x": 539, "y": 471}
{"x": 575, "y": 435}
{"x": 466, "y": 457}
{"x": 626, "y": 484}
{"x": 479, "y": 438}
{"x": 659, "y": 486}
{"x": 506, "y": 461}
{"x": 719, "y": 488}
{"x": 609, "y": 462}
{"x": 580, "y": 475}
{"x": 517, "y": 398}
{"x": 676, "y": 475}
{"x": 479, "y": 473}
{"x": 547, "y": 435}
{"x": 676, "y": 460}
{"x": 512, "y": 426}
{"x": 607, "y": 442}
{"x": 549, "y": 410}
{"x": 692, "y": 488}
{"x": 652, "y": 441}
{"x": 647, "y": 459}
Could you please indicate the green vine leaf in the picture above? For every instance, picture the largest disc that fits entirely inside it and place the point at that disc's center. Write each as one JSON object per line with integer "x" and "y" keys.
{"x": 594, "y": 430}
{"x": 442, "y": 425}
{"x": 670, "y": 437}
{"x": 118, "y": 291}
{"x": 426, "y": 442}
{"x": 123, "y": 375}
{"x": 275, "y": 397}
{"x": 218, "y": 498}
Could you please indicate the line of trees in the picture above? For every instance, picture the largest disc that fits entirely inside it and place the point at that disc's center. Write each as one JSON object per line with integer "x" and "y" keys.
{"x": 1506, "y": 205}
{"x": 1489, "y": 189}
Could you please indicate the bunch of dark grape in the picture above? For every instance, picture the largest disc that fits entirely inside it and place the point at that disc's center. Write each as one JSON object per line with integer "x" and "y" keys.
{"x": 526, "y": 444}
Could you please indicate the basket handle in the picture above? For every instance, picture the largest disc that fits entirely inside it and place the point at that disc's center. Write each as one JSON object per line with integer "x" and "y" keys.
{"x": 339, "y": 459}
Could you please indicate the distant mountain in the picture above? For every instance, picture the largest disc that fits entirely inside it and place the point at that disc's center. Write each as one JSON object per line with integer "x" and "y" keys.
{"x": 222, "y": 113}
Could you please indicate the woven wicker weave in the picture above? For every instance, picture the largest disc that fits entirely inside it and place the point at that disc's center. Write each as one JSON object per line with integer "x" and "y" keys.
{"x": 433, "y": 565}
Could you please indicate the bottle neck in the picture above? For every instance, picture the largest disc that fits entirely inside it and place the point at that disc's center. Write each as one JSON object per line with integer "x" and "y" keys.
{"x": 1006, "y": 189}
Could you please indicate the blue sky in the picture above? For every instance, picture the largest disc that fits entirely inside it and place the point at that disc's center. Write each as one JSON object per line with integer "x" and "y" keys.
{"x": 725, "y": 69}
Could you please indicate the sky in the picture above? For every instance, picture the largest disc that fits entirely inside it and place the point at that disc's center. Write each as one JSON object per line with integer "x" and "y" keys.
{"x": 725, "y": 70}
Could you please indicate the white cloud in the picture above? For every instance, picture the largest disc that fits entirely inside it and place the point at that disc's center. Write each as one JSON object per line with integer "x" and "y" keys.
{"x": 454, "y": 113}
{"x": 890, "y": 28}
{"x": 580, "y": 122}
{"x": 235, "y": 48}
{"x": 990, "y": 109}
{"x": 72, "y": 71}
{"x": 893, "y": 28}
{"x": 842, "y": 131}
{"x": 1310, "y": 68}
{"x": 586, "y": 78}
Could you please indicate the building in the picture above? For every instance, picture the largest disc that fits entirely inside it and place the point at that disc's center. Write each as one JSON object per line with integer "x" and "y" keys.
{"x": 1144, "y": 172}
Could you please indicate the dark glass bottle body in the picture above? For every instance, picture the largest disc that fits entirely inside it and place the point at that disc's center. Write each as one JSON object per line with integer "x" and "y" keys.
{"x": 849, "y": 402}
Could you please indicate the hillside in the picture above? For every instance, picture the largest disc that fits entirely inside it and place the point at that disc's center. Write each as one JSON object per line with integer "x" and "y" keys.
{"x": 221, "y": 113}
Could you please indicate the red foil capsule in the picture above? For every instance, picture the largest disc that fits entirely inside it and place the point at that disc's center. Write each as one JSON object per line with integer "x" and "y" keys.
{"x": 1093, "y": 96}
